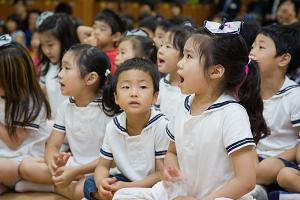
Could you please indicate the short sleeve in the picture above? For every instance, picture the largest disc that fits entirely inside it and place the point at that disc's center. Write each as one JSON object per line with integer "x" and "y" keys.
{"x": 294, "y": 106}
{"x": 169, "y": 130}
{"x": 59, "y": 123}
{"x": 35, "y": 124}
{"x": 161, "y": 139}
{"x": 105, "y": 150}
{"x": 236, "y": 132}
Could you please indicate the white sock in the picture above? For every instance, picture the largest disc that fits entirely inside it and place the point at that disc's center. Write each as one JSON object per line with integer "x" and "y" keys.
{"x": 3, "y": 188}
{"x": 26, "y": 186}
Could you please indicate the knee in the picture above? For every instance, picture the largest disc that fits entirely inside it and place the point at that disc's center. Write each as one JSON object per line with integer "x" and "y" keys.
{"x": 285, "y": 176}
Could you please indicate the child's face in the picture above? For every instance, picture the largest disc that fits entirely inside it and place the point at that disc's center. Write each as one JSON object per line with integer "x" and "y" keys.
{"x": 159, "y": 36}
{"x": 191, "y": 70}
{"x": 103, "y": 33}
{"x": 11, "y": 26}
{"x": 135, "y": 92}
{"x": 125, "y": 52}
{"x": 286, "y": 13}
{"x": 71, "y": 82}
{"x": 264, "y": 52}
{"x": 167, "y": 56}
{"x": 51, "y": 47}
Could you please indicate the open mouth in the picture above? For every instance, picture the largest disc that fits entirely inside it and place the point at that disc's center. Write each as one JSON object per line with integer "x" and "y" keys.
{"x": 160, "y": 61}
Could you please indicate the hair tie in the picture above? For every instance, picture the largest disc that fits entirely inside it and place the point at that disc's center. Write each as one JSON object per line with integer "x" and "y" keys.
{"x": 5, "y": 40}
{"x": 224, "y": 28}
{"x": 237, "y": 88}
{"x": 136, "y": 32}
{"x": 107, "y": 73}
{"x": 41, "y": 18}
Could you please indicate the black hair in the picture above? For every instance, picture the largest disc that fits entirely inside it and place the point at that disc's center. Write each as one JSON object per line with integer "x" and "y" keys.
{"x": 144, "y": 47}
{"x": 61, "y": 27}
{"x": 149, "y": 23}
{"x": 231, "y": 52}
{"x": 164, "y": 24}
{"x": 91, "y": 59}
{"x": 113, "y": 20}
{"x": 108, "y": 101}
{"x": 63, "y": 7}
{"x": 249, "y": 32}
{"x": 179, "y": 36}
{"x": 286, "y": 40}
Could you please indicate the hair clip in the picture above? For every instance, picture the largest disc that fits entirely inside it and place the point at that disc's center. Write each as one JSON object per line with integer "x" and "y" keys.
{"x": 42, "y": 17}
{"x": 136, "y": 32}
{"x": 5, "y": 40}
{"x": 107, "y": 72}
{"x": 229, "y": 28}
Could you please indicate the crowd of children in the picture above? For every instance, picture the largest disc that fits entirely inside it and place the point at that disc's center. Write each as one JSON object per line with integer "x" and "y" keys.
{"x": 106, "y": 112}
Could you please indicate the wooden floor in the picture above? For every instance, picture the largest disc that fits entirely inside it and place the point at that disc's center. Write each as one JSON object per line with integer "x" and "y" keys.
{"x": 31, "y": 196}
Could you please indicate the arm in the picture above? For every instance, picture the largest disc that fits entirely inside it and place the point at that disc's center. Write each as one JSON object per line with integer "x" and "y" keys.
{"x": 54, "y": 143}
{"x": 244, "y": 179}
{"x": 13, "y": 143}
{"x": 171, "y": 166}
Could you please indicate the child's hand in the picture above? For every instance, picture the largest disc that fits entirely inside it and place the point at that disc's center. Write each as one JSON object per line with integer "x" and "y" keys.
{"x": 105, "y": 189}
{"x": 63, "y": 176}
{"x": 118, "y": 185}
{"x": 62, "y": 158}
{"x": 170, "y": 173}
{"x": 92, "y": 40}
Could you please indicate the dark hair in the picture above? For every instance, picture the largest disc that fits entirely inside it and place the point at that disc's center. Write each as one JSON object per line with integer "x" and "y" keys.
{"x": 62, "y": 28}
{"x": 144, "y": 47}
{"x": 179, "y": 35}
{"x": 249, "y": 32}
{"x": 294, "y": 2}
{"x": 16, "y": 19}
{"x": 109, "y": 106}
{"x": 286, "y": 40}
{"x": 231, "y": 52}
{"x": 113, "y": 20}
{"x": 164, "y": 24}
{"x": 149, "y": 23}
{"x": 24, "y": 99}
{"x": 91, "y": 59}
{"x": 63, "y": 7}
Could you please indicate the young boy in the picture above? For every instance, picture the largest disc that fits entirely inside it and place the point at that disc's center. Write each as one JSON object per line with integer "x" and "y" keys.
{"x": 277, "y": 49}
{"x": 105, "y": 33}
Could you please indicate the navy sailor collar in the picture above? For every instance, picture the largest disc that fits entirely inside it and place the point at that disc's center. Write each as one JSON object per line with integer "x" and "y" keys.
{"x": 96, "y": 101}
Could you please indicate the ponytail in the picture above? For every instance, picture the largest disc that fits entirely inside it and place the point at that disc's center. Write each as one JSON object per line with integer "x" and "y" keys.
{"x": 249, "y": 95}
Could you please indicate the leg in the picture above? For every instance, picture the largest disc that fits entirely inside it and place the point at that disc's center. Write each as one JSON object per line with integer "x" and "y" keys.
{"x": 9, "y": 170}
{"x": 73, "y": 191}
{"x": 35, "y": 170}
{"x": 267, "y": 170}
{"x": 289, "y": 179}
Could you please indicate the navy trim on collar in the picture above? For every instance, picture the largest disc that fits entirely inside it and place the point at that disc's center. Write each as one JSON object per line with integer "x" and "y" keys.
{"x": 97, "y": 100}
{"x": 187, "y": 103}
{"x": 286, "y": 89}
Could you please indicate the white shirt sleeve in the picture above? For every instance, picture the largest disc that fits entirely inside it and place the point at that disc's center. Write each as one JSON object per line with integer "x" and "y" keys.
{"x": 161, "y": 140}
{"x": 237, "y": 131}
{"x": 105, "y": 150}
{"x": 59, "y": 123}
{"x": 295, "y": 107}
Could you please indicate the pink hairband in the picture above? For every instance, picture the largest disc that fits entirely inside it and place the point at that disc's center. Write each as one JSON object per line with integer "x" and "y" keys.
{"x": 237, "y": 88}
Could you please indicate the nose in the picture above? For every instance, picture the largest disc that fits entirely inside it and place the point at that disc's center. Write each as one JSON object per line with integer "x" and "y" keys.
{"x": 180, "y": 64}
{"x": 134, "y": 92}
{"x": 60, "y": 74}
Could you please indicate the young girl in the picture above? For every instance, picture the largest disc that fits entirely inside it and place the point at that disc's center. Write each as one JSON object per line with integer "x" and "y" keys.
{"x": 169, "y": 53}
{"x": 23, "y": 111}
{"x": 136, "y": 45}
{"x": 224, "y": 88}
{"x": 135, "y": 140}
{"x": 80, "y": 118}
{"x": 57, "y": 34}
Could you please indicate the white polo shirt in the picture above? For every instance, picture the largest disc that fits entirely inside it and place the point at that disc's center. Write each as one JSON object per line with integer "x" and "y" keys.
{"x": 34, "y": 144}
{"x": 135, "y": 155}
{"x": 205, "y": 142}
{"x": 282, "y": 115}
{"x": 169, "y": 97}
{"x": 51, "y": 82}
{"x": 84, "y": 128}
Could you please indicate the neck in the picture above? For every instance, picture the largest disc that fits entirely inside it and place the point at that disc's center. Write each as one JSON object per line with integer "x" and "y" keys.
{"x": 174, "y": 78}
{"x": 136, "y": 123}
{"x": 83, "y": 100}
{"x": 270, "y": 85}
{"x": 202, "y": 101}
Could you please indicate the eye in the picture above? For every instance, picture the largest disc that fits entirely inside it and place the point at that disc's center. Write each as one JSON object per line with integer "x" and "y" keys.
{"x": 189, "y": 56}
{"x": 125, "y": 87}
{"x": 143, "y": 87}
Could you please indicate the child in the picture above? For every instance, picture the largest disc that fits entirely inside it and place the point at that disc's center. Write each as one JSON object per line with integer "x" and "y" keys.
{"x": 80, "y": 118}
{"x": 23, "y": 111}
{"x": 106, "y": 32}
{"x": 223, "y": 83}
{"x": 160, "y": 32}
{"x": 57, "y": 34}
{"x": 168, "y": 55}
{"x": 135, "y": 140}
{"x": 136, "y": 45}
{"x": 277, "y": 50}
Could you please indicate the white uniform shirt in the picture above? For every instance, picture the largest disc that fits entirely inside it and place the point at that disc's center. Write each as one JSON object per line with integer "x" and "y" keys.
{"x": 169, "y": 97}
{"x": 282, "y": 115}
{"x": 135, "y": 155}
{"x": 51, "y": 82}
{"x": 34, "y": 144}
{"x": 84, "y": 128}
{"x": 204, "y": 143}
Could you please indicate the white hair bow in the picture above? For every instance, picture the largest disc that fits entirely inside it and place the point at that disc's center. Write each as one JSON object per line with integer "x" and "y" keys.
{"x": 5, "y": 39}
{"x": 223, "y": 28}
{"x": 42, "y": 17}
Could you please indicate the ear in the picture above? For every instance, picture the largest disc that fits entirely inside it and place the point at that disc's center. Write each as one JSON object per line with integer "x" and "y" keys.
{"x": 216, "y": 71}
{"x": 284, "y": 60}
{"x": 116, "y": 36}
{"x": 91, "y": 78}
